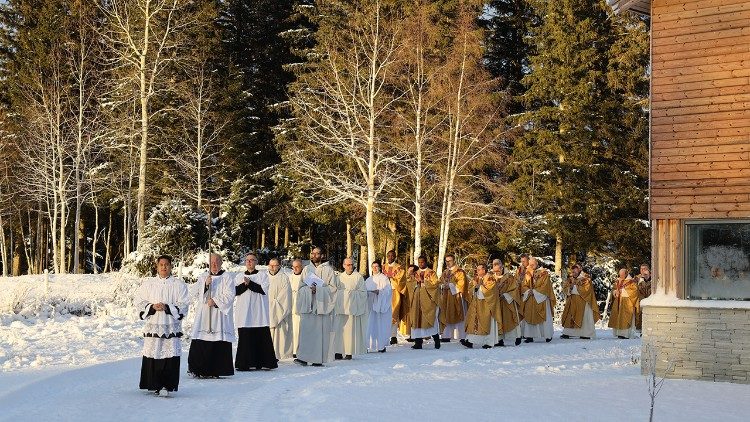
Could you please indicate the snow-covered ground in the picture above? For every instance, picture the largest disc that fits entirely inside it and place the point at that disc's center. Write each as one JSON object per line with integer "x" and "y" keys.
{"x": 70, "y": 367}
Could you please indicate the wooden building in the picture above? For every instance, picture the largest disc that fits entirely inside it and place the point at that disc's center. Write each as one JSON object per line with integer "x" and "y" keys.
{"x": 698, "y": 318}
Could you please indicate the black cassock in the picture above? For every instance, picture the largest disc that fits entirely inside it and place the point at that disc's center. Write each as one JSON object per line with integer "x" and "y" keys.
{"x": 255, "y": 345}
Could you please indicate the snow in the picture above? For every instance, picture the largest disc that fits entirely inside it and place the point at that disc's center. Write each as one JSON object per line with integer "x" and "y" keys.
{"x": 664, "y": 300}
{"x": 70, "y": 367}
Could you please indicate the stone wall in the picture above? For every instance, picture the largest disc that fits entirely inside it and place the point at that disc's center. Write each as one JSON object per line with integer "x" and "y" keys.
{"x": 702, "y": 343}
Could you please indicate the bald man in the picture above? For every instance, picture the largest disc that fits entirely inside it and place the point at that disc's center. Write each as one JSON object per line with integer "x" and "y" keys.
{"x": 280, "y": 309}
{"x": 210, "y": 353}
{"x": 354, "y": 311}
{"x": 295, "y": 278}
{"x": 538, "y": 302}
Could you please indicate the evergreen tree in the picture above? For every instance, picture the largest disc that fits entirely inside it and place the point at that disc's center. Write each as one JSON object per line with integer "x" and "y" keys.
{"x": 584, "y": 119}
{"x": 507, "y": 47}
{"x": 260, "y": 43}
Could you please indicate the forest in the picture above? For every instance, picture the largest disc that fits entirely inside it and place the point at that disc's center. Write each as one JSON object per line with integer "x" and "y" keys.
{"x": 485, "y": 129}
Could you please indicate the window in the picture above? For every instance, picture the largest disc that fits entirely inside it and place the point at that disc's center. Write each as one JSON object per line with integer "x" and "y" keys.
{"x": 718, "y": 260}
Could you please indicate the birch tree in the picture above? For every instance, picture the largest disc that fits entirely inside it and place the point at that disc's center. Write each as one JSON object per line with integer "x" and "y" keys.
{"x": 84, "y": 53}
{"x": 341, "y": 152}
{"x": 468, "y": 138}
{"x": 145, "y": 38}
{"x": 200, "y": 144}
{"x": 417, "y": 117}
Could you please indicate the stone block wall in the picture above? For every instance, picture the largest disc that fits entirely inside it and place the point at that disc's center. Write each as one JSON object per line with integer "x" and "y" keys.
{"x": 710, "y": 344}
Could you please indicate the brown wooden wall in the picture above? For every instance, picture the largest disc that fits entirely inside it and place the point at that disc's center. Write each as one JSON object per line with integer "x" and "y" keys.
{"x": 700, "y": 104}
{"x": 667, "y": 257}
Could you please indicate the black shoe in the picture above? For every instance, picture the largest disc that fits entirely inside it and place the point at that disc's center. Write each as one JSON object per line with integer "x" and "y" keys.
{"x": 338, "y": 356}
{"x": 500, "y": 343}
{"x": 382, "y": 350}
{"x": 529, "y": 340}
{"x": 317, "y": 365}
{"x": 548, "y": 340}
{"x": 417, "y": 344}
{"x": 348, "y": 357}
{"x": 486, "y": 346}
{"x": 565, "y": 336}
{"x": 445, "y": 340}
{"x": 410, "y": 340}
{"x": 468, "y": 344}
{"x": 622, "y": 337}
{"x": 462, "y": 341}
{"x": 294, "y": 356}
{"x": 585, "y": 338}
{"x": 300, "y": 362}
{"x": 518, "y": 341}
{"x": 437, "y": 341}
{"x": 394, "y": 340}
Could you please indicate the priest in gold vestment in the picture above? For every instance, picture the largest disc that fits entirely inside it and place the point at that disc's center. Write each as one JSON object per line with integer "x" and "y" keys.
{"x": 509, "y": 294}
{"x": 581, "y": 310}
{"x": 424, "y": 304}
{"x": 483, "y": 311}
{"x": 393, "y": 270}
{"x": 453, "y": 290}
{"x": 624, "y": 303}
{"x": 538, "y": 303}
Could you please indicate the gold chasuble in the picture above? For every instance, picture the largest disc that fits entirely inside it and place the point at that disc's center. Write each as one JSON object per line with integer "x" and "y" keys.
{"x": 575, "y": 304}
{"x": 510, "y": 312}
{"x": 399, "y": 304}
{"x": 451, "y": 304}
{"x": 536, "y": 312}
{"x": 423, "y": 298}
{"x": 483, "y": 305}
{"x": 624, "y": 302}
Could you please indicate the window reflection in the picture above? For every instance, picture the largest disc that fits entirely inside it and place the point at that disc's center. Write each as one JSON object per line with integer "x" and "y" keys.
{"x": 718, "y": 261}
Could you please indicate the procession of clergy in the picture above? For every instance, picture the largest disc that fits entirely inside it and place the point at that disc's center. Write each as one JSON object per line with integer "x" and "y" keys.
{"x": 315, "y": 315}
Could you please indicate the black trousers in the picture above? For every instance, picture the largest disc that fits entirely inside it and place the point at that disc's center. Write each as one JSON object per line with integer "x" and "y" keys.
{"x": 210, "y": 358}
{"x": 160, "y": 373}
{"x": 255, "y": 349}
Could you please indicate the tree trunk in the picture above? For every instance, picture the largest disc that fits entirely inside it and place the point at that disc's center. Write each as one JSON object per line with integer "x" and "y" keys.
{"x": 558, "y": 253}
{"x": 16, "y": 260}
{"x": 94, "y": 267}
{"x": 107, "y": 244}
{"x": 286, "y": 236}
{"x": 41, "y": 242}
{"x": 79, "y": 265}
{"x": 349, "y": 240}
{"x": 363, "y": 251}
{"x": 263, "y": 237}
{"x": 4, "y": 251}
{"x": 144, "y": 97}
{"x": 370, "y": 230}
{"x": 276, "y": 234}
{"x": 63, "y": 223}
{"x": 77, "y": 232}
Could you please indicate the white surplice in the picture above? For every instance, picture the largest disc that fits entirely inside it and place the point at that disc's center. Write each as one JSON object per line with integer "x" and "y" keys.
{"x": 216, "y": 323}
{"x": 379, "y": 293}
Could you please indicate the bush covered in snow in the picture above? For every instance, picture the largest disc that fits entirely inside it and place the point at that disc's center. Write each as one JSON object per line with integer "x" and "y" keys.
{"x": 173, "y": 228}
{"x": 41, "y": 296}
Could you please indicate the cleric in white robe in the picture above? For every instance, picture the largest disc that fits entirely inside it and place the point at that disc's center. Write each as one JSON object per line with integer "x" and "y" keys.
{"x": 295, "y": 279}
{"x": 315, "y": 304}
{"x": 326, "y": 272}
{"x": 255, "y": 345}
{"x": 210, "y": 353}
{"x": 354, "y": 310}
{"x": 280, "y": 310}
{"x": 379, "y": 292}
{"x": 162, "y": 302}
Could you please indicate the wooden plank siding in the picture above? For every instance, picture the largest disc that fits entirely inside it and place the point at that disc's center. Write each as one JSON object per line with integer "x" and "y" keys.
{"x": 667, "y": 257}
{"x": 700, "y": 113}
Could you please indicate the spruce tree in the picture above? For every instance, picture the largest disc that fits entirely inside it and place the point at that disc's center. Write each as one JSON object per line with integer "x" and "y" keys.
{"x": 574, "y": 175}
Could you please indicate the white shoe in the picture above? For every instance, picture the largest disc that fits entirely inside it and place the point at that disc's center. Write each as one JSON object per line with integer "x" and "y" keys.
{"x": 163, "y": 393}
